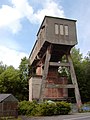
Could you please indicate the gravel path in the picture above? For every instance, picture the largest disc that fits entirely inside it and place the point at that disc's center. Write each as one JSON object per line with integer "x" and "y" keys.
{"x": 60, "y": 117}
{"x": 42, "y": 118}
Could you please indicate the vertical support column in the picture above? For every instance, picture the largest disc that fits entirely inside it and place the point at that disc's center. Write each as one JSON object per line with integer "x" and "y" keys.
{"x": 74, "y": 81}
{"x": 45, "y": 72}
{"x": 30, "y": 89}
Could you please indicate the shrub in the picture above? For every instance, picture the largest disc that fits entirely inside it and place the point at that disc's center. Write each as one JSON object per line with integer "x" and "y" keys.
{"x": 22, "y": 107}
{"x": 62, "y": 108}
{"x": 46, "y": 109}
{"x": 43, "y": 109}
{"x": 27, "y": 107}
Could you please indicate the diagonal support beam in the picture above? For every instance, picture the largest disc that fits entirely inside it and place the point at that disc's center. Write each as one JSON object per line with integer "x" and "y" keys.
{"x": 74, "y": 81}
{"x": 45, "y": 72}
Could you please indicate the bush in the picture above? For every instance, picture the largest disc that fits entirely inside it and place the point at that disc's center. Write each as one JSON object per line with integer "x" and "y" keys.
{"x": 62, "y": 108}
{"x": 43, "y": 109}
{"x": 46, "y": 109}
{"x": 27, "y": 108}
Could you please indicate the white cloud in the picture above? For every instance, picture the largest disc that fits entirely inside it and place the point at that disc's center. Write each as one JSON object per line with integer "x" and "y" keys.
{"x": 11, "y": 16}
{"x": 7, "y": 42}
{"x": 10, "y": 23}
{"x": 10, "y": 56}
{"x": 49, "y": 8}
{"x": 83, "y": 27}
{"x": 23, "y": 7}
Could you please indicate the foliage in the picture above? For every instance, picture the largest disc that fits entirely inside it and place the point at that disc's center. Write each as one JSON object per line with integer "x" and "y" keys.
{"x": 43, "y": 109}
{"x": 27, "y": 107}
{"x": 9, "y": 118}
{"x": 82, "y": 69}
{"x": 9, "y": 81}
{"x": 62, "y": 108}
{"x": 46, "y": 109}
{"x": 24, "y": 69}
{"x": 76, "y": 55}
{"x": 86, "y": 74}
{"x": 15, "y": 81}
{"x": 2, "y": 67}
{"x": 63, "y": 71}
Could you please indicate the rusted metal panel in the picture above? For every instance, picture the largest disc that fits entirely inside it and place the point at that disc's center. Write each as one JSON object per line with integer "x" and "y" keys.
{"x": 49, "y": 93}
{"x": 53, "y": 93}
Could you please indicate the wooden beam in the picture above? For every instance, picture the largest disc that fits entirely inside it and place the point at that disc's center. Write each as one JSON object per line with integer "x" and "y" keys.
{"x": 59, "y": 64}
{"x": 60, "y": 86}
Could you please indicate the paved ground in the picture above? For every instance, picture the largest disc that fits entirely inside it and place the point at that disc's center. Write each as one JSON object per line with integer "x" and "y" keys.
{"x": 75, "y": 116}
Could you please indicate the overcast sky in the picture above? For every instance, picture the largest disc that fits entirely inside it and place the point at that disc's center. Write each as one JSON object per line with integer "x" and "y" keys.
{"x": 20, "y": 21}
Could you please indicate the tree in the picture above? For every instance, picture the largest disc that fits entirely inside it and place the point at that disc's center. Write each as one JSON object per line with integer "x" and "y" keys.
{"x": 86, "y": 67}
{"x": 24, "y": 69}
{"x": 10, "y": 81}
{"x": 15, "y": 81}
{"x": 82, "y": 70}
{"x": 2, "y": 67}
{"x": 78, "y": 66}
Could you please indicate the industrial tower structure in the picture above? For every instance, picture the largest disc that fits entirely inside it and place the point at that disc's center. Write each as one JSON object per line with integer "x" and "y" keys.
{"x": 55, "y": 39}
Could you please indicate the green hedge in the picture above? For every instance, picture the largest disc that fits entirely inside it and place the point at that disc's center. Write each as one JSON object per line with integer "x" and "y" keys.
{"x": 27, "y": 108}
{"x": 43, "y": 109}
{"x": 63, "y": 108}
